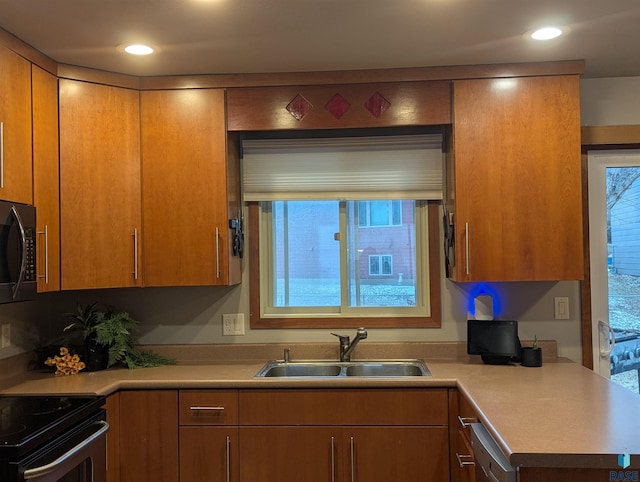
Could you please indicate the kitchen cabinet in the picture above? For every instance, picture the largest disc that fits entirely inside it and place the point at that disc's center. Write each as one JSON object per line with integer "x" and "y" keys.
{"x": 190, "y": 189}
{"x": 148, "y": 436}
{"x": 208, "y": 435}
{"x": 16, "y": 172}
{"x": 112, "y": 406}
{"x": 514, "y": 179}
{"x": 366, "y": 434}
{"x": 461, "y": 415}
{"x": 46, "y": 188}
{"x": 100, "y": 208}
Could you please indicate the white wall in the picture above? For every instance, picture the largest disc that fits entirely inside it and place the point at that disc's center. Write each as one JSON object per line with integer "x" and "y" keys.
{"x": 610, "y": 101}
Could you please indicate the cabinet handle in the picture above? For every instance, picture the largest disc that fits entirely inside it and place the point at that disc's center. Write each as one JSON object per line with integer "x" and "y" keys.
{"x": 198, "y": 407}
{"x": 466, "y": 421}
{"x": 46, "y": 254}
{"x": 466, "y": 245}
{"x": 1, "y": 155}
{"x": 228, "y": 459}
{"x": 465, "y": 460}
{"x": 217, "y": 253}
{"x": 353, "y": 461}
{"x": 135, "y": 253}
{"x": 333, "y": 460}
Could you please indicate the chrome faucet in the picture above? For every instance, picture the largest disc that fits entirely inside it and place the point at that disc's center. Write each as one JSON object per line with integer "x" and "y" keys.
{"x": 346, "y": 347}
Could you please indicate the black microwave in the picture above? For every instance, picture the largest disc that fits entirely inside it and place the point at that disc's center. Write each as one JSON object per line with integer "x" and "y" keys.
{"x": 18, "y": 279}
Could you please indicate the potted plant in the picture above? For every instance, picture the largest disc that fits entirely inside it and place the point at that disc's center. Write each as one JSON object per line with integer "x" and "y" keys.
{"x": 109, "y": 338}
{"x": 531, "y": 356}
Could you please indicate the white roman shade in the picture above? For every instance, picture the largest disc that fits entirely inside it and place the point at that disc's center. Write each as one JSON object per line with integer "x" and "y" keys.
{"x": 353, "y": 168}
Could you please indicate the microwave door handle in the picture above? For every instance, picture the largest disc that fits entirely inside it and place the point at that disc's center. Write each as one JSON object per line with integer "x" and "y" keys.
{"x": 23, "y": 240}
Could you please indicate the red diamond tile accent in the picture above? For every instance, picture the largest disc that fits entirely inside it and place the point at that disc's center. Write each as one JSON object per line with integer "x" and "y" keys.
{"x": 337, "y": 106}
{"x": 377, "y": 104}
{"x": 299, "y": 107}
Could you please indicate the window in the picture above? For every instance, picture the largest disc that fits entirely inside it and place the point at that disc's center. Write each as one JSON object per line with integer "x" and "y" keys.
{"x": 379, "y": 213}
{"x": 381, "y": 265}
{"x": 320, "y": 258}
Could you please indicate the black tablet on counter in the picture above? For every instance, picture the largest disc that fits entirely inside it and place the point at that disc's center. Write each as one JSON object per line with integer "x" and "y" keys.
{"x": 496, "y": 341}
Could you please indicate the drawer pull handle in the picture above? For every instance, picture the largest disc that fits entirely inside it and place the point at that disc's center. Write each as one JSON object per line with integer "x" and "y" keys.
{"x": 466, "y": 421}
{"x": 465, "y": 460}
{"x": 196, "y": 408}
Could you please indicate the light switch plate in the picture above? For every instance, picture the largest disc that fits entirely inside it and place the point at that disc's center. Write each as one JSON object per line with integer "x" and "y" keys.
{"x": 561, "y": 308}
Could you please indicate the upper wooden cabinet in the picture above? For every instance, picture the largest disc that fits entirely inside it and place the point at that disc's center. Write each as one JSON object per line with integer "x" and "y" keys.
{"x": 15, "y": 128}
{"x": 99, "y": 186}
{"x": 514, "y": 179}
{"x": 45, "y": 178}
{"x": 190, "y": 189}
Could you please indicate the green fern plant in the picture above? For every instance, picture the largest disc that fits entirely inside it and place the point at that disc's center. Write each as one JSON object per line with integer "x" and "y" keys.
{"x": 118, "y": 331}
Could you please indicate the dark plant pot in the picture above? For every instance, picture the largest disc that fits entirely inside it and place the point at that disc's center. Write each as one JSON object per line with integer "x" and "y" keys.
{"x": 96, "y": 357}
{"x": 530, "y": 357}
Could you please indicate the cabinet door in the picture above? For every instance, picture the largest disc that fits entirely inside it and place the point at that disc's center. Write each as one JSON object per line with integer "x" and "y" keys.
{"x": 15, "y": 128}
{"x": 208, "y": 453}
{"x": 276, "y": 454}
{"x": 100, "y": 208}
{"x": 185, "y": 203}
{"x": 396, "y": 454}
{"x": 113, "y": 437}
{"x": 517, "y": 179}
{"x": 46, "y": 192}
{"x": 149, "y": 436}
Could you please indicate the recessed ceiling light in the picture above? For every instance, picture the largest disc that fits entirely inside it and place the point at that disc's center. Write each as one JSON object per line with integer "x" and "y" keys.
{"x": 138, "y": 49}
{"x": 546, "y": 33}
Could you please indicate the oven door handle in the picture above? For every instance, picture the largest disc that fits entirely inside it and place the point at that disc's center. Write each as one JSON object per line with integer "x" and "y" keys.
{"x": 48, "y": 468}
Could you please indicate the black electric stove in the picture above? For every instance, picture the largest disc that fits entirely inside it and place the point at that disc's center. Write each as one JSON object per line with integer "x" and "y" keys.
{"x": 29, "y": 422}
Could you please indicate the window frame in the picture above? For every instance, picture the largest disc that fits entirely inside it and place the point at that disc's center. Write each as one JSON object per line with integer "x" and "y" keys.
{"x": 431, "y": 321}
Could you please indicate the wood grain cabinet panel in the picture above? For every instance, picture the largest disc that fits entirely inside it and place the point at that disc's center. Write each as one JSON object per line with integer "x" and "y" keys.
{"x": 16, "y": 171}
{"x": 209, "y": 446}
{"x": 515, "y": 179}
{"x": 344, "y": 435}
{"x": 100, "y": 209}
{"x": 148, "y": 439}
{"x": 190, "y": 189}
{"x": 46, "y": 187}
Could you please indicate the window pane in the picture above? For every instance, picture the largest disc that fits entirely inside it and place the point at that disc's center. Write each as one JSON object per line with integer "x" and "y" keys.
{"x": 306, "y": 255}
{"x": 382, "y": 260}
{"x": 379, "y": 213}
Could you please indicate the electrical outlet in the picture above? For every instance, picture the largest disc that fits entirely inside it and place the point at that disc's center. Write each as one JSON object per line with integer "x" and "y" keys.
{"x": 6, "y": 335}
{"x": 233, "y": 324}
{"x": 561, "y": 307}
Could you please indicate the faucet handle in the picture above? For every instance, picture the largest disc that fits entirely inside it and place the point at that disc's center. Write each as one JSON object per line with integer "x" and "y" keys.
{"x": 344, "y": 339}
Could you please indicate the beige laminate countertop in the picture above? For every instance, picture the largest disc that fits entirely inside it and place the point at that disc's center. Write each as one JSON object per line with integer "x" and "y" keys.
{"x": 559, "y": 415}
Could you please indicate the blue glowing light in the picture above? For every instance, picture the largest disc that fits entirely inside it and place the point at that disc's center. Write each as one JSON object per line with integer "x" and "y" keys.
{"x": 484, "y": 289}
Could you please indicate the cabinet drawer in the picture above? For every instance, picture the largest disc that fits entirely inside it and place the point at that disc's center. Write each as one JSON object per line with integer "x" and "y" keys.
{"x": 208, "y": 407}
{"x": 466, "y": 416}
{"x": 344, "y": 407}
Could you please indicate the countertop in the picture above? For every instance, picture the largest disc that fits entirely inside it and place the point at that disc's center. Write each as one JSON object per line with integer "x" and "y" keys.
{"x": 558, "y": 415}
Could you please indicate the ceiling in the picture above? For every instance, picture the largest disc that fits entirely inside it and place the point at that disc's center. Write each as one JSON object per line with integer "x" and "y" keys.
{"x": 257, "y": 36}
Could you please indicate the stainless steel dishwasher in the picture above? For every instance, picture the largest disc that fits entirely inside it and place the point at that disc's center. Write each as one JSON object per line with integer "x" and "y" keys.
{"x": 492, "y": 464}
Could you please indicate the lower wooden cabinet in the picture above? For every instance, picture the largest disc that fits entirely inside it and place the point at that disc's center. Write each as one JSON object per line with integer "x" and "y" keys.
{"x": 209, "y": 454}
{"x": 148, "y": 436}
{"x": 347, "y": 435}
{"x": 461, "y": 415}
{"x": 321, "y": 454}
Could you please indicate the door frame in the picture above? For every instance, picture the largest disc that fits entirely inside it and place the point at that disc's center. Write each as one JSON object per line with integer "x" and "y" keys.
{"x": 597, "y": 138}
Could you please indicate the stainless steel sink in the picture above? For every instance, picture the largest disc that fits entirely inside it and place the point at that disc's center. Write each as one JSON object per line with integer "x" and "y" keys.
{"x": 300, "y": 370}
{"x": 352, "y": 369}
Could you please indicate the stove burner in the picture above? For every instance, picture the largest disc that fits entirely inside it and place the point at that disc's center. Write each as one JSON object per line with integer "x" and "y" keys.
{"x": 11, "y": 430}
{"x": 44, "y": 407}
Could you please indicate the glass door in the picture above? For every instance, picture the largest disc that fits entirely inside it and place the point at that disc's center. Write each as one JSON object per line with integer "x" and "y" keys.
{"x": 614, "y": 233}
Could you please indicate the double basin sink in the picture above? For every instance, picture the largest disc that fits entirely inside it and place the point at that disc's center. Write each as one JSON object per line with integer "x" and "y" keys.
{"x": 335, "y": 369}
